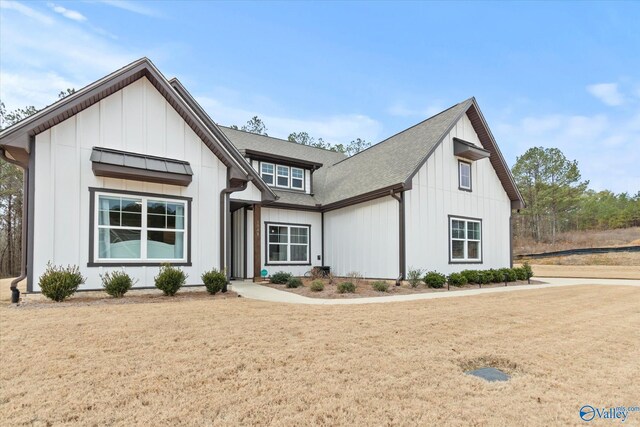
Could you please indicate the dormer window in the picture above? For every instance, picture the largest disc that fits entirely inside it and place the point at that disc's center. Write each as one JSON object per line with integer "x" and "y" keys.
{"x": 283, "y": 176}
{"x": 297, "y": 178}
{"x": 266, "y": 172}
{"x": 464, "y": 175}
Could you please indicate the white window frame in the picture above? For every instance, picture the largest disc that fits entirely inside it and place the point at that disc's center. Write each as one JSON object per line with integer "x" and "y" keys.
{"x": 288, "y": 176}
{"x": 143, "y": 230}
{"x": 272, "y": 175}
{"x": 460, "y": 167}
{"x": 466, "y": 240}
{"x": 288, "y": 244}
{"x": 300, "y": 179}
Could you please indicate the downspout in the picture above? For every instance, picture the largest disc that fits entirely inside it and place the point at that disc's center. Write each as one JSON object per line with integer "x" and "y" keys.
{"x": 225, "y": 231}
{"x": 15, "y": 293}
{"x": 402, "y": 240}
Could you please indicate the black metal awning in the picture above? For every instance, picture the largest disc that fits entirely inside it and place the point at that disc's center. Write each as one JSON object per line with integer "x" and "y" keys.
{"x": 469, "y": 150}
{"x": 112, "y": 163}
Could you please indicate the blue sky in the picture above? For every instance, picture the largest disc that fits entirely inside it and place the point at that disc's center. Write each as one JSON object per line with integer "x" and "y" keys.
{"x": 560, "y": 75}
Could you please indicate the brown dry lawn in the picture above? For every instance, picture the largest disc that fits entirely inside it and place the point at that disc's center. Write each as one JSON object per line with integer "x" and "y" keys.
{"x": 587, "y": 271}
{"x": 244, "y": 362}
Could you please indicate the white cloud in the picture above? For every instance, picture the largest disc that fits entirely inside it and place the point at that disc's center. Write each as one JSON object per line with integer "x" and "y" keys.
{"x": 131, "y": 7}
{"x": 607, "y": 93}
{"x": 67, "y": 13}
{"x": 53, "y": 55}
{"x": 335, "y": 129}
{"x": 26, "y": 11}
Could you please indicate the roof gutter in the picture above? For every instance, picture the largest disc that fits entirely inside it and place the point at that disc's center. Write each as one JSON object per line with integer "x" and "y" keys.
{"x": 15, "y": 293}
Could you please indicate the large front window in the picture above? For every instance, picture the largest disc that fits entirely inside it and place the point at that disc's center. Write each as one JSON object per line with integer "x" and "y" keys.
{"x": 287, "y": 244}
{"x": 131, "y": 228}
{"x": 465, "y": 240}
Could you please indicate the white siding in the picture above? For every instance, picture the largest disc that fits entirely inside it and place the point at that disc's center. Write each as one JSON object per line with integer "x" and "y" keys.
{"x": 435, "y": 196}
{"x": 287, "y": 216}
{"x": 363, "y": 238}
{"x": 136, "y": 118}
{"x": 251, "y": 194}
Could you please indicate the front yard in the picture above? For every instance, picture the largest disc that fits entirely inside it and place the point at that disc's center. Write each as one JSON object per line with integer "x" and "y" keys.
{"x": 235, "y": 361}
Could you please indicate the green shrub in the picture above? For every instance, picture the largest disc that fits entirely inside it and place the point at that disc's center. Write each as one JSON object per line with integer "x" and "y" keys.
{"x": 294, "y": 282}
{"x": 214, "y": 280}
{"x": 472, "y": 276}
{"x": 521, "y": 273}
{"x": 414, "y": 276}
{"x": 457, "y": 279}
{"x": 346, "y": 288}
{"x": 380, "y": 286}
{"x": 116, "y": 283}
{"x": 509, "y": 273}
{"x": 170, "y": 279}
{"x": 317, "y": 286}
{"x": 280, "y": 278}
{"x": 528, "y": 269}
{"x": 484, "y": 277}
{"x": 59, "y": 283}
{"x": 433, "y": 279}
{"x": 496, "y": 275}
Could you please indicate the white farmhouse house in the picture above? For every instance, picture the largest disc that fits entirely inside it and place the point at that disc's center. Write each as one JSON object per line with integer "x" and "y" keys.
{"x": 130, "y": 172}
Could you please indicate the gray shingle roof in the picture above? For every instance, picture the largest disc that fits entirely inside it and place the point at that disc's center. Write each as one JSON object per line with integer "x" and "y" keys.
{"x": 389, "y": 162}
{"x": 280, "y": 147}
{"x": 294, "y": 198}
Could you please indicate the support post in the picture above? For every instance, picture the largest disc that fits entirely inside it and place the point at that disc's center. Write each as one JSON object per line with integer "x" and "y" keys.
{"x": 257, "y": 254}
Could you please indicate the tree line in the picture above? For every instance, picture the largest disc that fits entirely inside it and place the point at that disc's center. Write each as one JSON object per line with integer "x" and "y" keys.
{"x": 558, "y": 200}
{"x": 256, "y": 125}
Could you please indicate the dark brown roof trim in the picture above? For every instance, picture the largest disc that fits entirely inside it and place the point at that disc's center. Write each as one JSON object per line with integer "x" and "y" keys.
{"x": 469, "y": 150}
{"x": 287, "y": 161}
{"x": 497, "y": 161}
{"x": 267, "y": 193}
{"x": 376, "y": 194}
{"x": 18, "y": 134}
{"x": 140, "y": 167}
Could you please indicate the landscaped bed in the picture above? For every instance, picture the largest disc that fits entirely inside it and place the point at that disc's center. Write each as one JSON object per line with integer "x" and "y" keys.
{"x": 134, "y": 296}
{"x": 364, "y": 288}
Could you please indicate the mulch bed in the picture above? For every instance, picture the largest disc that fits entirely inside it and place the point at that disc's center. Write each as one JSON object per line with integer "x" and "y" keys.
{"x": 134, "y": 296}
{"x": 364, "y": 289}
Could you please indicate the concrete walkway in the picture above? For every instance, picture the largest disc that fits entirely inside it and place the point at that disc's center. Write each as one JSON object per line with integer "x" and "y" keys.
{"x": 265, "y": 293}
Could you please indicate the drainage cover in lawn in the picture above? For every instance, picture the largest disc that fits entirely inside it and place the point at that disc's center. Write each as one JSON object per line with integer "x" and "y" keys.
{"x": 489, "y": 374}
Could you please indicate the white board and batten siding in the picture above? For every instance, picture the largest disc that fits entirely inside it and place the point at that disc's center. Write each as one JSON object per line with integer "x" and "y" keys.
{"x": 363, "y": 238}
{"x": 288, "y": 216}
{"x": 137, "y": 119}
{"x": 435, "y": 195}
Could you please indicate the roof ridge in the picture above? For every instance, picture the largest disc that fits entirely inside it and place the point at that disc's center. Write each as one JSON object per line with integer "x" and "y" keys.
{"x": 281, "y": 139}
{"x": 404, "y": 130}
